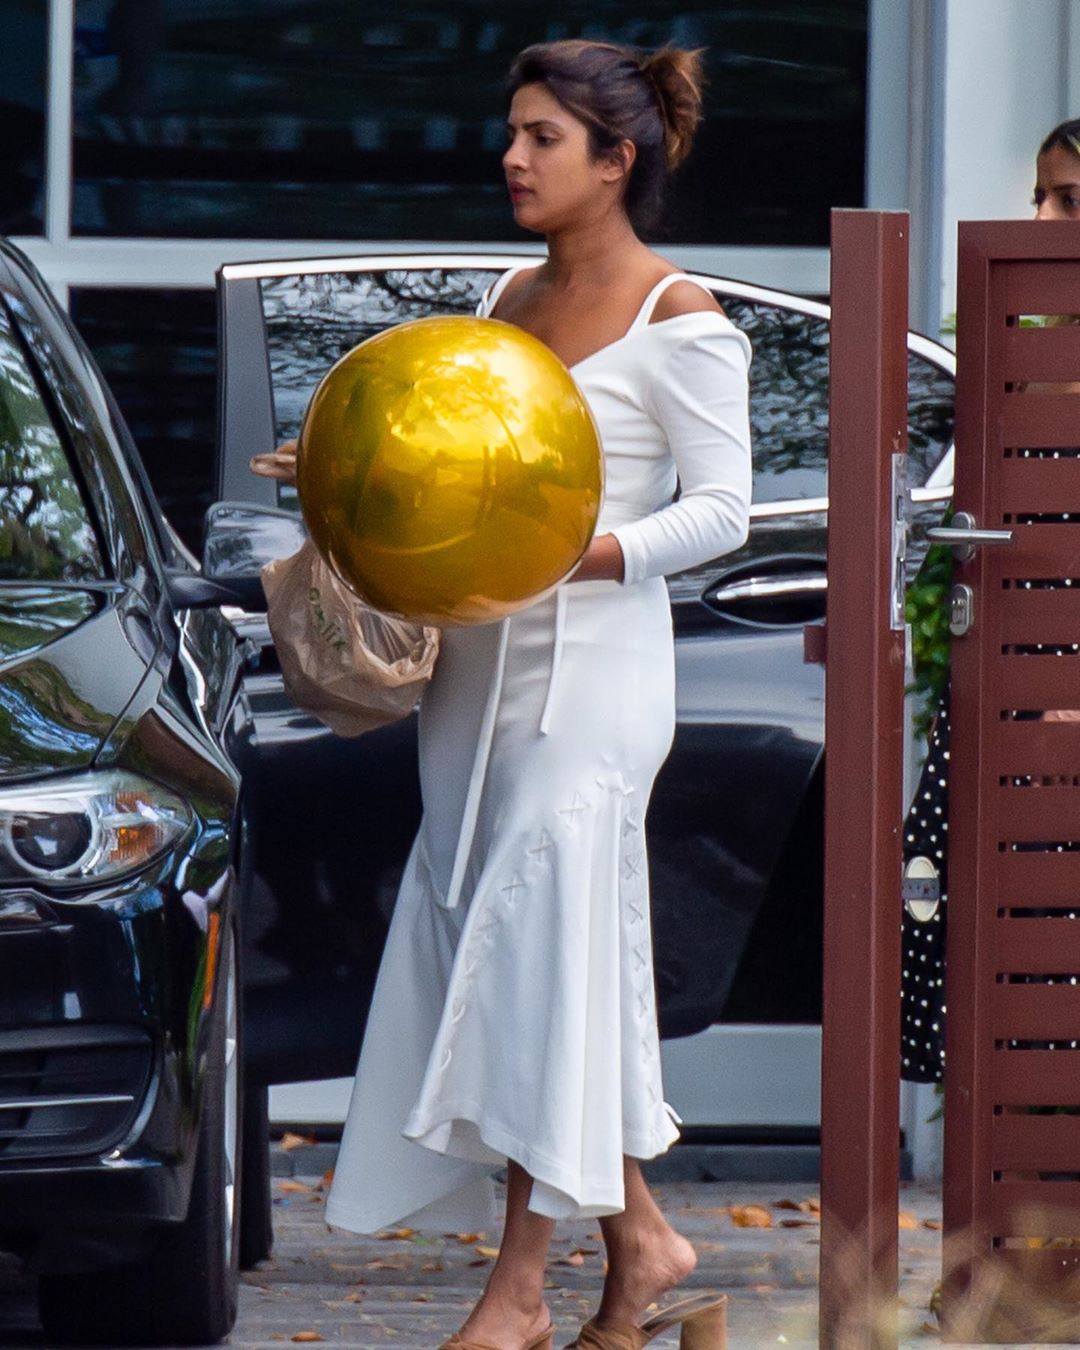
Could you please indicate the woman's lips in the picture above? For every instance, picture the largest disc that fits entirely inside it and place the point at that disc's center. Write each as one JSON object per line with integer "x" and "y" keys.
{"x": 517, "y": 192}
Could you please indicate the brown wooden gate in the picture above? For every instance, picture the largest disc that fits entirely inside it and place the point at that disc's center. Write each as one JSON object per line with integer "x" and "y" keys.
{"x": 1012, "y": 1104}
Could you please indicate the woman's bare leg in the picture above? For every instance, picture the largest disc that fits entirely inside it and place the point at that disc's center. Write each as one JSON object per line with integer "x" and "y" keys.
{"x": 511, "y": 1311}
{"x": 646, "y": 1257}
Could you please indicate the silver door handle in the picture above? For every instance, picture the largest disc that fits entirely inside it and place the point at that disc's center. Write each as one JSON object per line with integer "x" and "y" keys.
{"x": 964, "y": 535}
{"x": 769, "y": 588}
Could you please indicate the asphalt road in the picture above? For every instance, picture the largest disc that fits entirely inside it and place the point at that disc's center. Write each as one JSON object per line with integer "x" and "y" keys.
{"x": 411, "y": 1292}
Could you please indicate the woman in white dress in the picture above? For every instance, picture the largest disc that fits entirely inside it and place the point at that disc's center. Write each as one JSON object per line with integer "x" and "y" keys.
{"x": 513, "y": 1023}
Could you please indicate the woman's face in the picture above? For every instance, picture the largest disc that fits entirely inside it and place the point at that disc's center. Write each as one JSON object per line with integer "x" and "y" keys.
{"x": 553, "y": 179}
{"x": 1057, "y": 185}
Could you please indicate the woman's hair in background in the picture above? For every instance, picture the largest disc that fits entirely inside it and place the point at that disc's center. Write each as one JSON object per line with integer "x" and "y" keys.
{"x": 1067, "y": 136}
{"x": 652, "y": 99}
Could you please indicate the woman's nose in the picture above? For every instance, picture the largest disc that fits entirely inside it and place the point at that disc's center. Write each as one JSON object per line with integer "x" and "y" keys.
{"x": 513, "y": 157}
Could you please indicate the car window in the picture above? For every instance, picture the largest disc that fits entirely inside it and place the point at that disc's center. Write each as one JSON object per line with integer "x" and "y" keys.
{"x": 789, "y": 402}
{"x": 45, "y": 529}
{"x": 313, "y": 319}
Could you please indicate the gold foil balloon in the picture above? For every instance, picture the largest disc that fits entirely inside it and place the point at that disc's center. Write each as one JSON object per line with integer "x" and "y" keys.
{"x": 449, "y": 470}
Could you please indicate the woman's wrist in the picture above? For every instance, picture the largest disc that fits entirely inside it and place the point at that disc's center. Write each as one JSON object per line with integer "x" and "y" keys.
{"x": 602, "y": 560}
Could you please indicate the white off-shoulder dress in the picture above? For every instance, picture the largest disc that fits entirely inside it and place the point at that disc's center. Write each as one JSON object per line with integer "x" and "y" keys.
{"x": 514, "y": 1013}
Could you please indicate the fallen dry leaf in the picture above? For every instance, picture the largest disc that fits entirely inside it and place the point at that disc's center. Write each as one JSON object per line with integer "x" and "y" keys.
{"x": 798, "y": 1223}
{"x": 786, "y": 1204}
{"x": 905, "y": 1219}
{"x": 934, "y": 1224}
{"x": 480, "y": 1261}
{"x": 490, "y": 1252}
{"x": 327, "y": 1178}
{"x": 432, "y": 1265}
{"x": 306, "y": 1336}
{"x": 289, "y": 1141}
{"x": 763, "y": 1288}
{"x": 585, "y": 1251}
{"x": 467, "y": 1239}
{"x": 379, "y": 1264}
{"x": 422, "y": 1298}
{"x": 751, "y": 1216}
{"x": 396, "y": 1234}
{"x": 574, "y": 1259}
{"x": 294, "y": 1186}
{"x": 355, "y": 1297}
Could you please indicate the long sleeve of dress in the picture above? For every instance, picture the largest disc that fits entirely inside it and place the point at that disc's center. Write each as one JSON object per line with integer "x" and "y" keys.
{"x": 700, "y": 399}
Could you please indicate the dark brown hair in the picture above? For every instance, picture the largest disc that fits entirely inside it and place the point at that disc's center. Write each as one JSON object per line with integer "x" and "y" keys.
{"x": 652, "y": 99}
{"x": 1067, "y": 136}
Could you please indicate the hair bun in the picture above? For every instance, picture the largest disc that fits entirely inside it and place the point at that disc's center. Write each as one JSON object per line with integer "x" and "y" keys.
{"x": 677, "y": 75}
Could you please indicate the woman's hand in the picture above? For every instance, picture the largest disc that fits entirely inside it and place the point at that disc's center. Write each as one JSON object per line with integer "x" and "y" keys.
{"x": 279, "y": 463}
{"x": 602, "y": 560}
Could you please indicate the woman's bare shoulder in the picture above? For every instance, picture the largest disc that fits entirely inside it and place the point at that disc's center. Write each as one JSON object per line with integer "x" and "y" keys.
{"x": 684, "y": 297}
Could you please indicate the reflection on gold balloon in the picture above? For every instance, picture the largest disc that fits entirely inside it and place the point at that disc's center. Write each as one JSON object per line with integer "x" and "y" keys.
{"x": 450, "y": 470}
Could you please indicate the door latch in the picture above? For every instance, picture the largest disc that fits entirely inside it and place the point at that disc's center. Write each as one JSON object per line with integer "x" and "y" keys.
{"x": 961, "y": 609}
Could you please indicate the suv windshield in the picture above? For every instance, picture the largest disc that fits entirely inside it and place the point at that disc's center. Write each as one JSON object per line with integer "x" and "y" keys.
{"x": 45, "y": 530}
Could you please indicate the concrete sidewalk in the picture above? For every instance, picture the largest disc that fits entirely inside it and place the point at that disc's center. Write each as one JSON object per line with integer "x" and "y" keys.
{"x": 413, "y": 1291}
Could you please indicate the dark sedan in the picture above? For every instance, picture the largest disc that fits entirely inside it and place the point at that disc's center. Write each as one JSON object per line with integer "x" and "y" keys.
{"x": 121, "y": 843}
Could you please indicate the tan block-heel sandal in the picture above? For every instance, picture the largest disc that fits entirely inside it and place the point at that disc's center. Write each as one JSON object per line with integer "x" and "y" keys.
{"x": 702, "y": 1323}
{"x": 542, "y": 1342}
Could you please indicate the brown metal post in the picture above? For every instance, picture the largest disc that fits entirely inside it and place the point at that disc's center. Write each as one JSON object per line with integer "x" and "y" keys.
{"x": 860, "y": 1155}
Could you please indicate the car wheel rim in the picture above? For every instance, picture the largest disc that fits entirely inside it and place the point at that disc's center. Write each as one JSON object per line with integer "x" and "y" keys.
{"x": 231, "y": 1112}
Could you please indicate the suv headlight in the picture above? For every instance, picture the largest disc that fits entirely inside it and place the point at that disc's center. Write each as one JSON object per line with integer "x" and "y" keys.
{"x": 84, "y": 830}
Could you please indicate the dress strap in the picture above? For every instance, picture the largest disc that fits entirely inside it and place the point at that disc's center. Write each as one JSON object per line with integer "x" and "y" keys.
{"x": 644, "y": 314}
{"x": 491, "y": 296}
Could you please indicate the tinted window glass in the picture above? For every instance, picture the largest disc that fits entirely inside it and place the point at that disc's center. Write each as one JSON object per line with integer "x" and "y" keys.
{"x": 45, "y": 531}
{"x": 312, "y": 320}
{"x": 157, "y": 350}
{"x": 789, "y": 403}
{"x": 325, "y": 119}
{"x": 23, "y": 27}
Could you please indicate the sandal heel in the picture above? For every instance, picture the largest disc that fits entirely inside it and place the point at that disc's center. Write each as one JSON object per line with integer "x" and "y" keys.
{"x": 705, "y": 1330}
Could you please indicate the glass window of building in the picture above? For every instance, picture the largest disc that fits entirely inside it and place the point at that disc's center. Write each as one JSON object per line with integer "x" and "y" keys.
{"x": 330, "y": 120}
{"x": 23, "y": 37}
{"x": 157, "y": 348}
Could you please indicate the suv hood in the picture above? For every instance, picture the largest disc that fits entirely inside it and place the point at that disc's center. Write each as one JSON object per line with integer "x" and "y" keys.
{"x": 67, "y": 671}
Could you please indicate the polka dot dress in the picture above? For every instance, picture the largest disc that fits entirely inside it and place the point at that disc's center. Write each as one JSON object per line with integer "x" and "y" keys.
{"x": 922, "y": 986}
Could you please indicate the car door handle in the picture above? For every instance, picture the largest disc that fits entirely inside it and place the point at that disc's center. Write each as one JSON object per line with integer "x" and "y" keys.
{"x": 786, "y": 586}
{"x": 964, "y": 535}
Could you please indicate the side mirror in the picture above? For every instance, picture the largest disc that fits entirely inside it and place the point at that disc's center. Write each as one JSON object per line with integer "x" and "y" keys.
{"x": 239, "y": 540}
{"x": 189, "y": 590}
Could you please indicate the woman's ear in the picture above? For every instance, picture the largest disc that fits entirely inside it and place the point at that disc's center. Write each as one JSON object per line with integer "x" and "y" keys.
{"x": 618, "y": 161}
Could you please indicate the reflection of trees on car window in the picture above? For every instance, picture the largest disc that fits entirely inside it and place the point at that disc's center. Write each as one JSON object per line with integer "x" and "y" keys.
{"x": 789, "y": 402}
{"x": 44, "y": 529}
{"x": 313, "y": 319}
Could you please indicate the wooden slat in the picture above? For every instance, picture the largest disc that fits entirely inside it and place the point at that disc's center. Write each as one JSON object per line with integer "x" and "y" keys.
{"x": 1035, "y": 1208}
{"x": 1035, "y": 1078}
{"x": 1036, "y": 354}
{"x": 1040, "y": 421}
{"x": 1036, "y": 552}
{"x": 1042, "y": 288}
{"x": 1048, "y": 946}
{"x": 1036, "y": 1012}
{"x": 1036, "y": 748}
{"x": 1047, "y": 616}
{"x": 1029, "y": 485}
{"x": 1036, "y": 815}
{"x": 1026, "y": 1143}
{"x": 1037, "y": 682}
